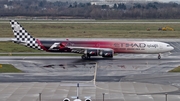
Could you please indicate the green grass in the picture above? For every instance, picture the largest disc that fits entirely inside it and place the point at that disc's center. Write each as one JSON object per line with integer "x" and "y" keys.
{"x": 111, "y": 20}
{"x": 8, "y": 48}
{"x": 94, "y": 30}
{"x": 13, "y": 47}
{"x": 177, "y": 69}
{"x": 7, "y": 68}
{"x": 141, "y": 20}
{"x": 38, "y": 54}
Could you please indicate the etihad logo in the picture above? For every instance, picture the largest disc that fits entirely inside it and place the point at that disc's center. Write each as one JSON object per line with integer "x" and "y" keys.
{"x": 138, "y": 45}
{"x": 135, "y": 45}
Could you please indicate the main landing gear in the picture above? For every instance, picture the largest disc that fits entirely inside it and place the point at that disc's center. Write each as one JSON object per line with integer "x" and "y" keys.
{"x": 159, "y": 56}
{"x": 84, "y": 56}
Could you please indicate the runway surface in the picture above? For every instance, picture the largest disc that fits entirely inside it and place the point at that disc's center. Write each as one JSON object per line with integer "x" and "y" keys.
{"x": 46, "y": 69}
{"x": 113, "y": 91}
{"x": 127, "y": 77}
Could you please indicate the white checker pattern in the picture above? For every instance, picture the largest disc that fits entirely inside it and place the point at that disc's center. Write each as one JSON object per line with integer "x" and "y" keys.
{"x": 23, "y": 36}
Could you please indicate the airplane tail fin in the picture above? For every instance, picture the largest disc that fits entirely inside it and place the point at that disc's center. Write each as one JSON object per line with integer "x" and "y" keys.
{"x": 23, "y": 37}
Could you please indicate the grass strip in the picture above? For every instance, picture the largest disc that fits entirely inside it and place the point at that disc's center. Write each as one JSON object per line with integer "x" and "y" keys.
{"x": 95, "y": 30}
{"x": 13, "y": 47}
{"x": 177, "y": 69}
{"x": 8, "y": 68}
{"x": 11, "y": 54}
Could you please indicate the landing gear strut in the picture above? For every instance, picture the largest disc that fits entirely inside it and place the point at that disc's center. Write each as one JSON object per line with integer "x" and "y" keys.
{"x": 159, "y": 56}
{"x": 84, "y": 56}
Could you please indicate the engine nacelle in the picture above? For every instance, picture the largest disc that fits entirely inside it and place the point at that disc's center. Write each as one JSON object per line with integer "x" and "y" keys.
{"x": 106, "y": 53}
{"x": 88, "y": 99}
{"x": 91, "y": 52}
{"x": 66, "y": 99}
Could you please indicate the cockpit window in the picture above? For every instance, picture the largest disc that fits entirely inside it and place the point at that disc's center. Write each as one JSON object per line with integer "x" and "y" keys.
{"x": 168, "y": 45}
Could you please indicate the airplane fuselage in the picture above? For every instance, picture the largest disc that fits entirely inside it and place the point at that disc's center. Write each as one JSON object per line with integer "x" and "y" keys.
{"x": 142, "y": 47}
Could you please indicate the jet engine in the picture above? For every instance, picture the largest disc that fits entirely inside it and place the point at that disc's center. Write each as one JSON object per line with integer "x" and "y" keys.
{"x": 88, "y": 99}
{"x": 97, "y": 52}
{"x": 91, "y": 52}
{"x": 66, "y": 99}
{"x": 106, "y": 53}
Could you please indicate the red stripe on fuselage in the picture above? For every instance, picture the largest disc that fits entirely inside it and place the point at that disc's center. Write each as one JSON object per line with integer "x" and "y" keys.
{"x": 41, "y": 45}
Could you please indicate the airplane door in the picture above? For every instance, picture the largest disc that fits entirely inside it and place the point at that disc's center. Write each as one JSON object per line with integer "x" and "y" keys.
{"x": 161, "y": 47}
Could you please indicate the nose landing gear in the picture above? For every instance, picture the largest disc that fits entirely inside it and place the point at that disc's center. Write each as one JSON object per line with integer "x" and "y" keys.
{"x": 159, "y": 56}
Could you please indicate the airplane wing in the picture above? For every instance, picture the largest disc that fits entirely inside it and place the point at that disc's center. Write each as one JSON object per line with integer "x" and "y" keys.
{"x": 92, "y": 51}
{"x": 18, "y": 42}
{"x": 74, "y": 47}
{"x": 82, "y": 50}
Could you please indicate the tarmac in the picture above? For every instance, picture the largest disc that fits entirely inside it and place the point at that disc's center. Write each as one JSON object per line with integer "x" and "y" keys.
{"x": 113, "y": 91}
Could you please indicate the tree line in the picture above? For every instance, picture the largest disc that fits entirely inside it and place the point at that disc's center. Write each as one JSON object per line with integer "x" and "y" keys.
{"x": 151, "y": 10}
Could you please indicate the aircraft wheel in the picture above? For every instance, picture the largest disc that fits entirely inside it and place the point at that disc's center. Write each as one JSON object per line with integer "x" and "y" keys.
{"x": 88, "y": 57}
{"x": 83, "y": 56}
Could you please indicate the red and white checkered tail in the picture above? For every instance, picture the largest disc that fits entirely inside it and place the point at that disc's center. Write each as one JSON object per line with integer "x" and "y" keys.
{"x": 22, "y": 36}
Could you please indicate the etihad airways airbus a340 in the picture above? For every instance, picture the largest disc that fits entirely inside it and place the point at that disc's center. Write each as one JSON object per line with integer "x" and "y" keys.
{"x": 106, "y": 49}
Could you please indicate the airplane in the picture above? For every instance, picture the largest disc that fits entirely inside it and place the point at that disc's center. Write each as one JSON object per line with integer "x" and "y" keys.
{"x": 77, "y": 97}
{"x": 105, "y": 48}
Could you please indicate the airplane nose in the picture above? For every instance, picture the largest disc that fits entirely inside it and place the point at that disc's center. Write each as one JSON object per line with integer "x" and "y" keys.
{"x": 172, "y": 48}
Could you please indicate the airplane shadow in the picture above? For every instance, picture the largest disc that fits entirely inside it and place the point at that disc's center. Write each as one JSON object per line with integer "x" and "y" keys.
{"x": 127, "y": 59}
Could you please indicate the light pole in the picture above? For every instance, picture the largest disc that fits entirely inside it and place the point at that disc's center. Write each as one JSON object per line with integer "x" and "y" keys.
{"x": 103, "y": 96}
{"x": 166, "y": 96}
{"x": 39, "y": 96}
